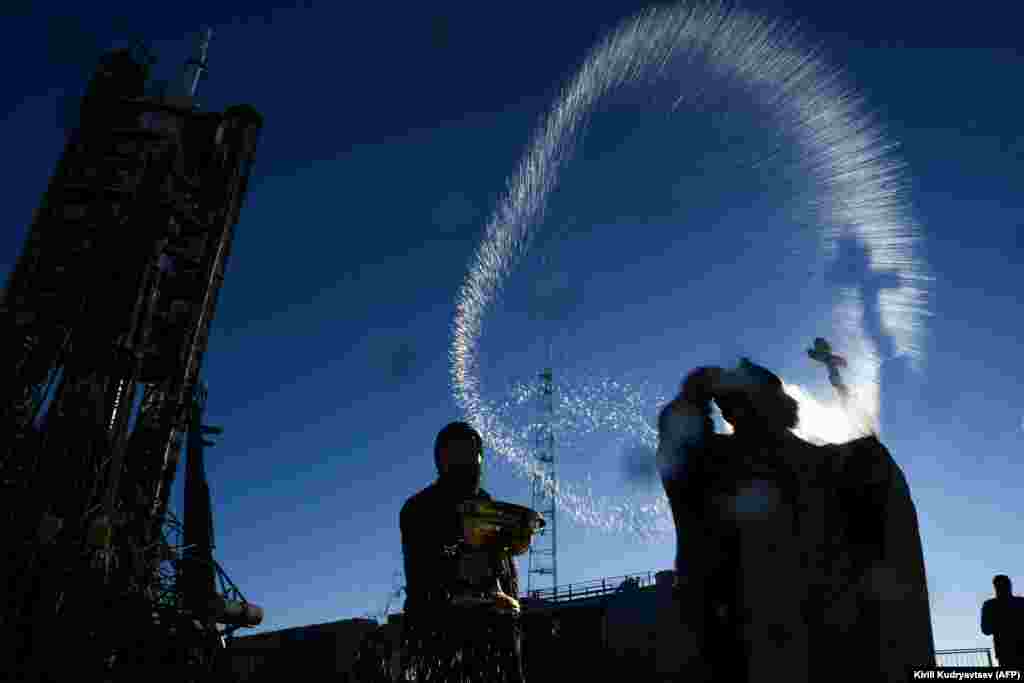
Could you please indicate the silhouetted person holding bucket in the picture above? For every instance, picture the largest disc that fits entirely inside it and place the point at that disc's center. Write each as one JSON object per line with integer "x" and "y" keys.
{"x": 461, "y": 608}
{"x": 1002, "y": 617}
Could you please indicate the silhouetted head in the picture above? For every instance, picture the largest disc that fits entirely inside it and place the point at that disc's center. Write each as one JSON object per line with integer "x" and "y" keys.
{"x": 1001, "y": 582}
{"x": 459, "y": 456}
{"x": 753, "y": 401}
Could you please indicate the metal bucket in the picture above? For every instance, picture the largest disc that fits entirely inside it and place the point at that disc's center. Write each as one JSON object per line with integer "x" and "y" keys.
{"x": 493, "y": 524}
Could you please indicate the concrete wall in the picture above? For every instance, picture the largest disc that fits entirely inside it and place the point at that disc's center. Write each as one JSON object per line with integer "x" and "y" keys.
{"x": 629, "y": 635}
{"x": 320, "y": 652}
{"x": 577, "y": 652}
{"x": 631, "y": 631}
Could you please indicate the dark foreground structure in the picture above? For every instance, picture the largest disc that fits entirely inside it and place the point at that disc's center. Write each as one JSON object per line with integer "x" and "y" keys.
{"x": 103, "y": 327}
{"x": 616, "y": 628}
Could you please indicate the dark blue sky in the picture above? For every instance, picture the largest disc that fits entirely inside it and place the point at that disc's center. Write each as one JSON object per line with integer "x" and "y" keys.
{"x": 390, "y": 134}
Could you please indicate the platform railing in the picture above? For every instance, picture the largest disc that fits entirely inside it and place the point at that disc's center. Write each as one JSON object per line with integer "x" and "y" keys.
{"x": 594, "y": 588}
{"x": 970, "y": 657}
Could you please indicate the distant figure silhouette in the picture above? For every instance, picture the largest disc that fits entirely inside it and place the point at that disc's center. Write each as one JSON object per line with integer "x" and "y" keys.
{"x": 1002, "y": 617}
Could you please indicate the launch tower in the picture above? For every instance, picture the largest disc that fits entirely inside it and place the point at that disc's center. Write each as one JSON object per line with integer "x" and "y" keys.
{"x": 103, "y": 327}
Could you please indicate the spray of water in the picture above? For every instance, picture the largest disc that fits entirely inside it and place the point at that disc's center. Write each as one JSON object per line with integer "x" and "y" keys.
{"x": 848, "y": 183}
{"x": 621, "y": 414}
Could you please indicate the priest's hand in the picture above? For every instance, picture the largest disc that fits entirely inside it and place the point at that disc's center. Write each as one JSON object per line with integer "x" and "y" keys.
{"x": 701, "y": 385}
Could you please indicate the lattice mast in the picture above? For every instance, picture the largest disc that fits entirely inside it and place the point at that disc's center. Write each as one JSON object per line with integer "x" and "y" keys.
{"x": 543, "y": 556}
{"x": 103, "y": 326}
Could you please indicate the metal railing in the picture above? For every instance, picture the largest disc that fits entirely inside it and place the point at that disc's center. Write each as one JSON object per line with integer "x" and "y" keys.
{"x": 970, "y": 657}
{"x": 594, "y": 588}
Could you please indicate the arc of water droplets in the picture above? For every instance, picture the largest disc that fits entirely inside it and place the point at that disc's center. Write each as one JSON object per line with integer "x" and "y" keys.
{"x": 848, "y": 163}
{"x": 587, "y": 407}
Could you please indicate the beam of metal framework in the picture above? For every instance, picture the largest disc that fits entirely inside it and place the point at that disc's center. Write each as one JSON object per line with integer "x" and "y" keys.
{"x": 543, "y": 555}
{"x": 103, "y": 326}
{"x": 198, "y": 576}
{"x": 196, "y": 68}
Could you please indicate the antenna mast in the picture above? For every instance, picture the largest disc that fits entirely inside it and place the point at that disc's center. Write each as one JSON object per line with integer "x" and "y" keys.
{"x": 543, "y": 551}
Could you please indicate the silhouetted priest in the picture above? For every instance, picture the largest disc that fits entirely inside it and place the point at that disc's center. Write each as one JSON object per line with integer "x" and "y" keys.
{"x": 790, "y": 557}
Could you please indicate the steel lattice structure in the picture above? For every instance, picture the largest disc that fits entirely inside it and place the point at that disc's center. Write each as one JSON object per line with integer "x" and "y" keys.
{"x": 103, "y": 326}
{"x": 543, "y": 554}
